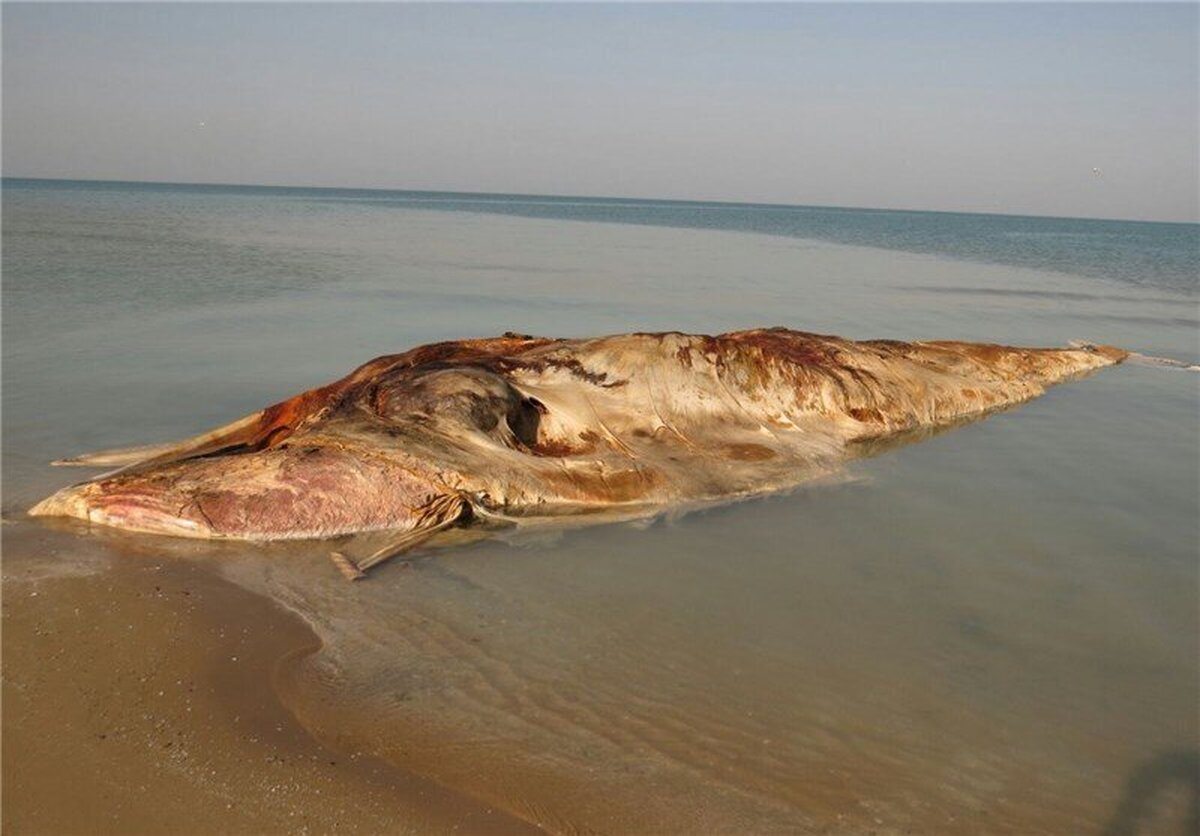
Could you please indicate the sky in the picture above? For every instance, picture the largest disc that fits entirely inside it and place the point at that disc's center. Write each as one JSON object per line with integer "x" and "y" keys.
{"x": 1071, "y": 110}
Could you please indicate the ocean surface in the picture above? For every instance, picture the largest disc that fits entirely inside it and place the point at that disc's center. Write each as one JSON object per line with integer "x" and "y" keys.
{"x": 994, "y": 630}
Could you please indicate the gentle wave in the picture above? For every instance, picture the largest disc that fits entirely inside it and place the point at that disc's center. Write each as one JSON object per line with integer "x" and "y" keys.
{"x": 1065, "y": 295}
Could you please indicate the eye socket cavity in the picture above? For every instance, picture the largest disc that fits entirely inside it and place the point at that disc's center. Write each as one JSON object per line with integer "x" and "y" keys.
{"x": 474, "y": 399}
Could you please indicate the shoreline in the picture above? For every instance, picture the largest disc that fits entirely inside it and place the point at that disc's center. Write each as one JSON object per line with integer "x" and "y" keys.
{"x": 163, "y": 694}
{"x": 179, "y": 727}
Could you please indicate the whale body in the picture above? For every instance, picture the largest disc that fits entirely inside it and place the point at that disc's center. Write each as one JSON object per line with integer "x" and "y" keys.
{"x": 520, "y": 428}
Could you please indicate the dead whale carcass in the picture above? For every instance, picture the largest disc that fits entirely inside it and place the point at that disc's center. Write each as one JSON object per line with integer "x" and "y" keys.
{"x": 521, "y": 428}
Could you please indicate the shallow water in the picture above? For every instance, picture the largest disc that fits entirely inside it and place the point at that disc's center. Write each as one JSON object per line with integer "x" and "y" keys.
{"x": 992, "y": 630}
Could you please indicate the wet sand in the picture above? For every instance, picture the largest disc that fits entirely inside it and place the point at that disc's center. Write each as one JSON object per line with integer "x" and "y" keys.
{"x": 139, "y": 699}
{"x": 145, "y": 692}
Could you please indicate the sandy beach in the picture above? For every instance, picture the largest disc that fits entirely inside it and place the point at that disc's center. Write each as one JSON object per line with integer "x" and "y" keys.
{"x": 156, "y": 696}
{"x": 140, "y": 699}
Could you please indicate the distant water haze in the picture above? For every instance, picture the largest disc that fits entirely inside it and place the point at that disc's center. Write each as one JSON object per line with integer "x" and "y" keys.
{"x": 1075, "y": 110}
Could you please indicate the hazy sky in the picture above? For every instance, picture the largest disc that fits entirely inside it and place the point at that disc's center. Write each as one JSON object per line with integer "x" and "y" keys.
{"x": 1005, "y": 108}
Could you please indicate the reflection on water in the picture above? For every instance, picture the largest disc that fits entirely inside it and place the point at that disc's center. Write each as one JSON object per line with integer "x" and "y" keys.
{"x": 992, "y": 630}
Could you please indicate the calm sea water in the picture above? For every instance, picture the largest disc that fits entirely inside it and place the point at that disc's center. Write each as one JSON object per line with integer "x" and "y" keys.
{"x": 995, "y": 630}
{"x": 1164, "y": 255}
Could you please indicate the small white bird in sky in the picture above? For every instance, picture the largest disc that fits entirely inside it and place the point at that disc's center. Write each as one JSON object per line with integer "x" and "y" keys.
{"x": 1097, "y": 172}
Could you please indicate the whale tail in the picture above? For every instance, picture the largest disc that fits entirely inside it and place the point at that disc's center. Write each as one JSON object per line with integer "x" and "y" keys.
{"x": 1111, "y": 352}
{"x": 1135, "y": 357}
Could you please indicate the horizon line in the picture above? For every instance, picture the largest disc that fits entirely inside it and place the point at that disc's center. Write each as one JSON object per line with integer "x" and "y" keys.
{"x": 648, "y": 200}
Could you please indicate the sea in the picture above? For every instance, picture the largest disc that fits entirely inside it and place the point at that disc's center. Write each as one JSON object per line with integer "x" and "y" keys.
{"x": 995, "y": 630}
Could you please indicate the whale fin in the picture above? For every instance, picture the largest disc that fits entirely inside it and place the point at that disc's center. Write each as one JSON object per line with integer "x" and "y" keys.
{"x": 256, "y": 431}
{"x": 243, "y": 432}
{"x": 116, "y": 457}
{"x": 439, "y": 514}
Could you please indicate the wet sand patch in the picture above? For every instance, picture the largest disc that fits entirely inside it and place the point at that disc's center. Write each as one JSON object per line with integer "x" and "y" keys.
{"x": 139, "y": 699}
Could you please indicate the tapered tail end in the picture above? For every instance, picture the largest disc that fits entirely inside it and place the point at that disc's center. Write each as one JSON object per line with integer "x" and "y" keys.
{"x": 1109, "y": 352}
{"x": 1118, "y": 355}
